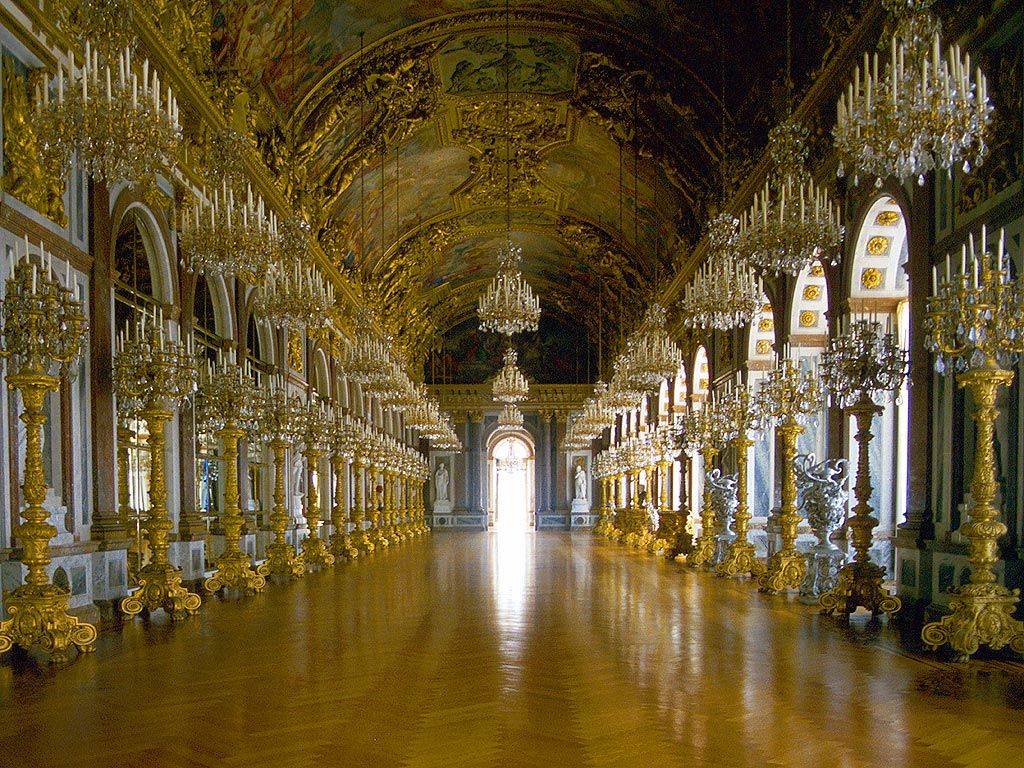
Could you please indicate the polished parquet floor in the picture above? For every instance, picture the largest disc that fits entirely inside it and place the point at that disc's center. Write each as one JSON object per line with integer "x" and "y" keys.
{"x": 509, "y": 650}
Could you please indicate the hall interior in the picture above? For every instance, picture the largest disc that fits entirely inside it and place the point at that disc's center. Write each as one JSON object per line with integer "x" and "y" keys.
{"x": 482, "y": 381}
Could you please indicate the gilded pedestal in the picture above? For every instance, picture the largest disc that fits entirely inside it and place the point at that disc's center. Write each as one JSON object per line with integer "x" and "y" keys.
{"x": 787, "y": 567}
{"x": 38, "y": 609}
{"x": 982, "y": 611}
{"x": 159, "y": 581}
{"x": 282, "y": 561}
{"x": 234, "y": 569}
{"x": 860, "y": 582}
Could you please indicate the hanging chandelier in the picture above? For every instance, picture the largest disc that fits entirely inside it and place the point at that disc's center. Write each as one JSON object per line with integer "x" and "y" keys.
{"x": 510, "y": 417}
{"x": 725, "y": 293}
{"x": 509, "y": 306}
{"x": 924, "y": 111}
{"x": 295, "y": 295}
{"x": 112, "y": 116}
{"x": 793, "y": 222}
{"x": 651, "y": 355}
{"x": 228, "y": 235}
{"x": 510, "y": 385}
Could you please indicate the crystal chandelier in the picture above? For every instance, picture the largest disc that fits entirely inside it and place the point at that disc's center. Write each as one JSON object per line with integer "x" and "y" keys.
{"x": 226, "y": 235}
{"x": 862, "y": 360}
{"x": 295, "y": 295}
{"x": 652, "y": 356}
{"x": 793, "y": 222}
{"x": 112, "y": 115}
{"x": 621, "y": 395}
{"x": 510, "y": 385}
{"x": 510, "y": 417}
{"x": 725, "y": 293}
{"x": 924, "y": 111}
{"x": 509, "y": 306}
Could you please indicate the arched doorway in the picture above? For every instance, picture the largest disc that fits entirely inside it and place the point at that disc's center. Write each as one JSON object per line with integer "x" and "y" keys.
{"x": 510, "y": 460}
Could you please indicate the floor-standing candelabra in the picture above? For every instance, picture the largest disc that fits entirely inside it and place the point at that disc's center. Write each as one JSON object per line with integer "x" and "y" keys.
{"x": 419, "y": 487}
{"x": 377, "y": 463}
{"x": 602, "y": 464}
{"x": 790, "y": 397}
{"x": 703, "y": 433}
{"x": 314, "y": 435}
{"x": 152, "y": 375}
{"x": 860, "y": 367}
{"x": 227, "y": 399}
{"x": 278, "y": 423}
{"x": 43, "y": 332}
{"x": 343, "y": 448}
{"x": 360, "y": 513}
{"x": 744, "y": 415}
{"x": 975, "y": 327}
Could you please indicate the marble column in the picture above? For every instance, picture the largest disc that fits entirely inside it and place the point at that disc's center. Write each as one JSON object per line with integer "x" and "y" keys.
{"x": 544, "y": 463}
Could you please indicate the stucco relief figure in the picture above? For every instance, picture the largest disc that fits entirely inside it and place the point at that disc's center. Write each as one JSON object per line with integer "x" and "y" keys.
{"x": 441, "y": 482}
{"x": 580, "y": 479}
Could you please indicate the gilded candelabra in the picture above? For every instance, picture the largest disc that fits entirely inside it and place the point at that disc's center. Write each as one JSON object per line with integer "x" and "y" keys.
{"x": 152, "y": 375}
{"x": 360, "y": 514}
{"x": 861, "y": 366}
{"x": 703, "y": 433}
{"x": 975, "y": 328}
{"x": 314, "y": 435}
{"x": 790, "y": 397}
{"x": 343, "y": 448}
{"x": 376, "y": 501}
{"x": 227, "y": 399}
{"x": 745, "y": 414}
{"x": 278, "y": 421}
{"x": 43, "y": 332}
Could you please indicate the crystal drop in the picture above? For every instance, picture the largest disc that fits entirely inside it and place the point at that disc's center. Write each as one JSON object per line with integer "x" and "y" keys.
{"x": 920, "y": 180}
{"x": 878, "y": 183}
{"x": 967, "y": 166}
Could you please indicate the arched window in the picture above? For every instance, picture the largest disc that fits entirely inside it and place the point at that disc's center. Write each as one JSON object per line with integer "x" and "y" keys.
{"x": 808, "y": 337}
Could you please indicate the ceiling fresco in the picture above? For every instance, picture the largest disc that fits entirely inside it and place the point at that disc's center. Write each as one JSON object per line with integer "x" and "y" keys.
{"x": 386, "y": 122}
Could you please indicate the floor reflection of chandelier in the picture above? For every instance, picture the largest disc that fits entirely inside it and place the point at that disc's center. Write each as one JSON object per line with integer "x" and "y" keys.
{"x": 793, "y": 222}
{"x": 725, "y": 293}
{"x": 925, "y": 110}
{"x": 510, "y": 385}
{"x": 508, "y": 306}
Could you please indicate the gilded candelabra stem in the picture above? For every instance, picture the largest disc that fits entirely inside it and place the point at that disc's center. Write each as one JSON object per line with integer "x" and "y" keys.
{"x": 159, "y": 581}
{"x": 860, "y": 582}
{"x": 124, "y": 509}
{"x": 234, "y": 568}
{"x": 390, "y": 480}
{"x": 787, "y": 567}
{"x": 376, "y": 508}
{"x": 315, "y": 553}
{"x": 704, "y": 549}
{"x": 37, "y": 608}
{"x": 741, "y": 558}
{"x": 982, "y": 610}
{"x": 282, "y": 561}
{"x": 360, "y": 515}
{"x": 342, "y": 544}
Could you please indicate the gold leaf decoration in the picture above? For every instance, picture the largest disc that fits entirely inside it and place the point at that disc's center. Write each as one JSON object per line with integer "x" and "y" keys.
{"x": 888, "y": 218}
{"x": 766, "y": 324}
{"x": 817, "y": 271}
{"x": 763, "y": 346}
{"x": 812, "y": 292}
{"x": 808, "y": 319}
{"x": 295, "y": 350}
{"x": 878, "y": 245}
{"x": 871, "y": 278}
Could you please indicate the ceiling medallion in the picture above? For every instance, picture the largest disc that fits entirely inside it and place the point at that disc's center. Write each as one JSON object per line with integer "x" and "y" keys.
{"x": 509, "y": 305}
{"x": 925, "y": 110}
{"x": 793, "y": 222}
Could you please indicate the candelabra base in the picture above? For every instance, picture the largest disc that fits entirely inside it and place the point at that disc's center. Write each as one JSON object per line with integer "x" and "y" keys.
{"x": 282, "y": 561}
{"x": 859, "y": 584}
{"x": 315, "y": 554}
{"x": 378, "y": 538}
{"x": 982, "y": 615}
{"x": 160, "y": 587}
{"x": 703, "y": 552}
{"x": 235, "y": 571}
{"x": 395, "y": 535}
{"x": 787, "y": 569}
{"x": 343, "y": 545}
{"x": 740, "y": 560}
{"x": 362, "y": 541}
{"x": 39, "y": 617}
{"x": 604, "y": 525}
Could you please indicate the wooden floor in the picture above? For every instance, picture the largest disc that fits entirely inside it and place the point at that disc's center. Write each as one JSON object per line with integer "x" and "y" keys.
{"x": 509, "y": 650}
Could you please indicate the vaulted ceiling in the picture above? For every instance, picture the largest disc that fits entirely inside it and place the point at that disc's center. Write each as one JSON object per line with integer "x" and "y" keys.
{"x": 386, "y": 121}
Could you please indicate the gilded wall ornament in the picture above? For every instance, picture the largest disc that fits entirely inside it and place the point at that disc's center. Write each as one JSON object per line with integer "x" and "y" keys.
{"x": 888, "y": 218}
{"x": 765, "y": 324}
{"x": 878, "y": 245}
{"x": 817, "y": 271}
{"x": 763, "y": 347}
{"x": 295, "y": 356}
{"x": 812, "y": 292}
{"x": 871, "y": 278}
{"x": 808, "y": 319}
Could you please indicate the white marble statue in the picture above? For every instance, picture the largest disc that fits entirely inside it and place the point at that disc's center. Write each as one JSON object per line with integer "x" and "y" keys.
{"x": 580, "y": 479}
{"x": 441, "y": 482}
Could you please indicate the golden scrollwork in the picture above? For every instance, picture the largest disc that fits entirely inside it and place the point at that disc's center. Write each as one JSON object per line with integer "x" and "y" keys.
{"x": 763, "y": 347}
{"x": 765, "y": 324}
{"x": 871, "y": 278}
{"x": 812, "y": 292}
{"x": 295, "y": 351}
{"x": 888, "y": 218}
{"x": 817, "y": 271}
{"x": 25, "y": 175}
{"x": 808, "y": 319}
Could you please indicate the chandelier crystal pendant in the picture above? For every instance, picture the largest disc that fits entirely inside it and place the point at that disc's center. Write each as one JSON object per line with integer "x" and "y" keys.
{"x": 725, "y": 293}
{"x": 925, "y": 110}
{"x": 510, "y": 385}
{"x": 509, "y": 306}
{"x": 793, "y": 222}
{"x": 112, "y": 115}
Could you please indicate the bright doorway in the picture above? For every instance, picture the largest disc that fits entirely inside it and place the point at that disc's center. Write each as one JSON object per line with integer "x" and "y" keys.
{"x": 511, "y": 464}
